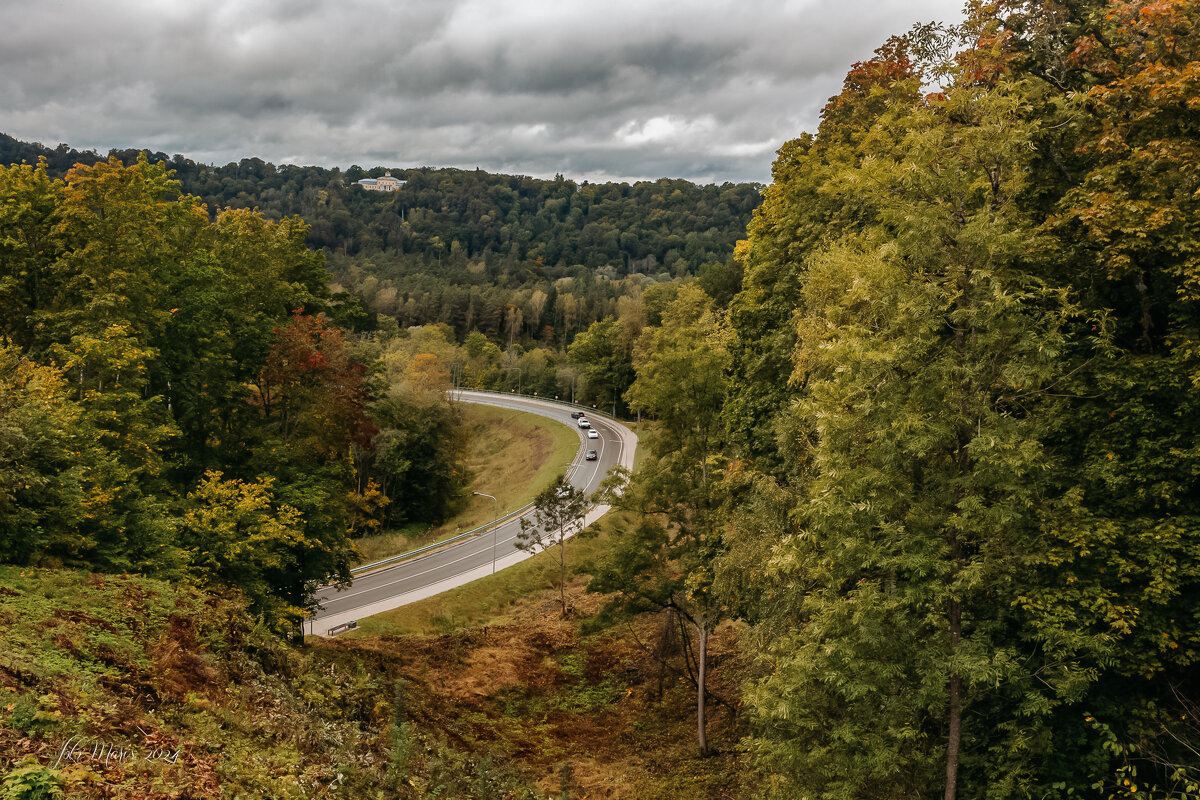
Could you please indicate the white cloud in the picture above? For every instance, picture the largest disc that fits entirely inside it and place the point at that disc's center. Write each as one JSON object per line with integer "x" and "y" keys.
{"x": 664, "y": 131}
{"x": 625, "y": 89}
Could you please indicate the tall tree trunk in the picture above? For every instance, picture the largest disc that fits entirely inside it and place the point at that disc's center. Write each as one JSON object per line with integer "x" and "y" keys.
{"x": 702, "y": 665}
{"x": 954, "y": 739}
{"x": 954, "y": 604}
{"x": 954, "y": 734}
{"x": 562, "y": 572}
{"x": 1146, "y": 308}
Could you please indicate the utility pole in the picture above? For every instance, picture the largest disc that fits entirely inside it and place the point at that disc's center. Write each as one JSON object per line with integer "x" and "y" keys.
{"x": 494, "y": 521}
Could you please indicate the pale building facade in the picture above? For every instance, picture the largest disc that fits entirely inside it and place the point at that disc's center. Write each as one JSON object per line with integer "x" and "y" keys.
{"x": 386, "y": 183}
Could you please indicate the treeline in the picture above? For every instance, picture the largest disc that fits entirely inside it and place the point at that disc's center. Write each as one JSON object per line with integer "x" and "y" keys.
{"x": 940, "y": 450}
{"x": 459, "y": 247}
{"x": 595, "y": 369}
{"x": 177, "y": 398}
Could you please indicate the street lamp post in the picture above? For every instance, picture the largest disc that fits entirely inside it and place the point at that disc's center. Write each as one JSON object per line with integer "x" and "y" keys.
{"x": 494, "y": 521}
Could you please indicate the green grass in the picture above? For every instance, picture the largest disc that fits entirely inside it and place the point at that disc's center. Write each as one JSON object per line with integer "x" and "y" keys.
{"x": 513, "y": 456}
{"x": 105, "y": 662}
{"x": 642, "y": 452}
{"x": 490, "y": 599}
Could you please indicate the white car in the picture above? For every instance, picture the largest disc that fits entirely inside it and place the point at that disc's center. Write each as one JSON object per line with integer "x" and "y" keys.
{"x": 593, "y": 433}
{"x": 583, "y": 423}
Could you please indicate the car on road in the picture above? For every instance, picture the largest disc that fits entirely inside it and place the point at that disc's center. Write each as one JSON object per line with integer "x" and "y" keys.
{"x": 583, "y": 423}
{"x": 576, "y": 414}
{"x": 593, "y": 433}
{"x": 590, "y": 455}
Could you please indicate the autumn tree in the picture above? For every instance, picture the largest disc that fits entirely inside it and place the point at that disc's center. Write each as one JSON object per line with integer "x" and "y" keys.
{"x": 30, "y": 245}
{"x": 805, "y": 200}
{"x": 917, "y": 456}
{"x": 1116, "y": 86}
{"x": 148, "y": 346}
{"x": 311, "y": 389}
{"x": 312, "y": 399}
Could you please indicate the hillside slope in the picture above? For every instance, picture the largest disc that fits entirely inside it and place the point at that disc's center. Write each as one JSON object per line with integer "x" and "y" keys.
{"x": 117, "y": 686}
{"x": 124, "y": 687}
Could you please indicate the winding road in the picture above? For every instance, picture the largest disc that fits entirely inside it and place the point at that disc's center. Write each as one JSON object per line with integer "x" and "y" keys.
{"x": 455, "y": 564}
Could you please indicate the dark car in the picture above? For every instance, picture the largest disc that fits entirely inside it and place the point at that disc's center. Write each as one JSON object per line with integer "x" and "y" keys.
{"x": 590, "y": 455}
{"x": 576, "y": 414}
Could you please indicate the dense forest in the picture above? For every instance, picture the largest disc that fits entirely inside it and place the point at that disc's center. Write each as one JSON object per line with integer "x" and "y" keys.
{"x": 460, "y": 247}
{"x": 940, "y": 450}
{"x": 928, "y": 440}
{"x": 177, "y": 399}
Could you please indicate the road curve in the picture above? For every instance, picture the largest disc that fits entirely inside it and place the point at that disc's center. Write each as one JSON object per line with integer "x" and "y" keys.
{"x": 454, "y": 565}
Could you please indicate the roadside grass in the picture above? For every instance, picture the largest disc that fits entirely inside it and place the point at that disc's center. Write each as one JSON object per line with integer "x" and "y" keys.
{"x": 597, "y": 701}
{"x": 643, "y": 430}
{"x": 513, "y": 456}
{"x": 495, "y": 598}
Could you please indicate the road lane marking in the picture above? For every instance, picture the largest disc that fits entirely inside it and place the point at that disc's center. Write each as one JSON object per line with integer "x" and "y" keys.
{"x": 513, "y": 403}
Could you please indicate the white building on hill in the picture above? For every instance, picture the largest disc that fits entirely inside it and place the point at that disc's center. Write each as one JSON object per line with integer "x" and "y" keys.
{"x": 384, "y": 184}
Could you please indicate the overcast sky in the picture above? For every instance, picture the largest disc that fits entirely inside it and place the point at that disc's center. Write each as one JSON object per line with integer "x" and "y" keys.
{"x": 703, "y": 89}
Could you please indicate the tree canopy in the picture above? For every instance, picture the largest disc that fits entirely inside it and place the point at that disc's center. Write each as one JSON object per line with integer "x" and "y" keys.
{"x": 963, "y": 393}
{"x": 175, "y": 397}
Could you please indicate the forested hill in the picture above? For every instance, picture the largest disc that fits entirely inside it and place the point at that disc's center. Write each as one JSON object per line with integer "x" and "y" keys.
{"x": 443, "y": 215}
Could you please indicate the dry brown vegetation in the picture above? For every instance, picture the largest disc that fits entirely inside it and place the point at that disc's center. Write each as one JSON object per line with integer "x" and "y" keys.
{"x": 493, "y": 707}
{"x": 533, "y": 690}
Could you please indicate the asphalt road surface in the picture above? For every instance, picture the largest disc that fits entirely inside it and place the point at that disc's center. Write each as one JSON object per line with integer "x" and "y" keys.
{"x": 459, "y": 563}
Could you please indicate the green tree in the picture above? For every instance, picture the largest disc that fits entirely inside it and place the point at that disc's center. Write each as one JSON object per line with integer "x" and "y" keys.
{"x": 920, "y": 477}
{"x": 125, "y": 525}
{"x": 30, "y": 244}
{"x": 557, "y": 515}
{"x": 41, "y": 434}
{"x": 235, "y": 535}
{"x": 604, "y": 356}
{"x": 419, "y": 458}
{"x": 666, "y": 561}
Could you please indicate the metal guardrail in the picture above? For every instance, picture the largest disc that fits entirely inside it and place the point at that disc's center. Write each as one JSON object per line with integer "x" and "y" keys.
{"x": 359, "y": 570}
{"x": 552, "y": 400}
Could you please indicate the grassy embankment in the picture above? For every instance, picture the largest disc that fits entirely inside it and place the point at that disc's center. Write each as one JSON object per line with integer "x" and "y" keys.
{"x": 489, "y": 600}
{"x": 501, "y": 694}
{"x": 197, "y": 701}
{"x": 611, "y": 699}
{"x": 125, "y": 687}
{"x": 513, "y": 456}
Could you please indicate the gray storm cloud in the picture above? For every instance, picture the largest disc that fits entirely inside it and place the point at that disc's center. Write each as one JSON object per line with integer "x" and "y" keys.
{"x": 620, "y": 90}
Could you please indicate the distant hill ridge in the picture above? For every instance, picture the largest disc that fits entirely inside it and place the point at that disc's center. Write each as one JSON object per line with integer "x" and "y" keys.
{"x": 669, "y": 225}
